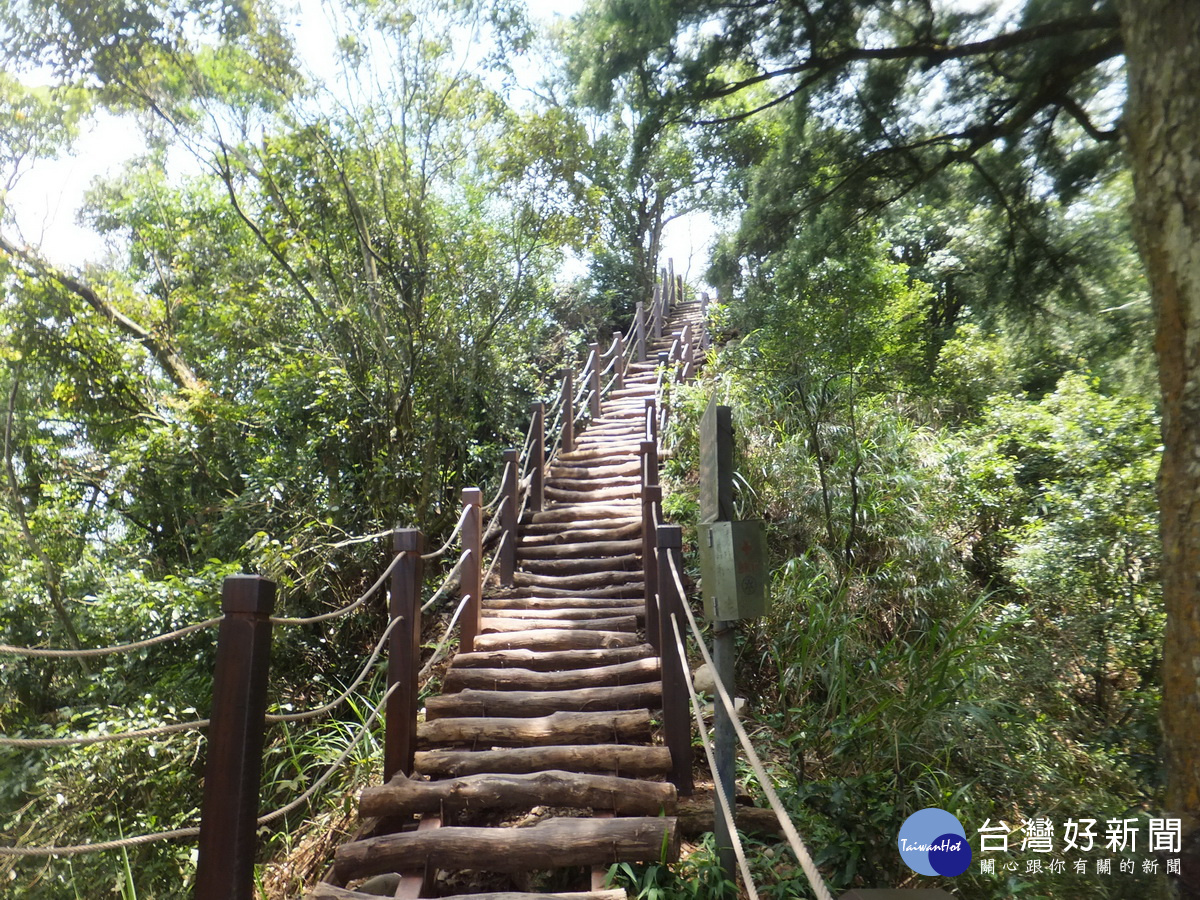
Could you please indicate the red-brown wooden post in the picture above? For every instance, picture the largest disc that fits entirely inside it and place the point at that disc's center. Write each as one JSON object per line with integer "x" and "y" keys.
{"x": 651, "y": 497}
{"x": 652, "y": 423}
{"x": 704, "y": 303}
{"x": 640, "y": 330}
{"x": 619, "y": 349}
{"x": 568, "y": 408}
{"x": 656, "y": 312}
{"x": 508, "y": 518}
{"x": 472, "y": 573}
{"x": 404, "y": 653}
{"x": 671, "y": 297}
{"x": 537, "y": 462}
{"x": 677, "y": 729}
{"x": 229, "y": 811}
{"x": 594, "y": 378}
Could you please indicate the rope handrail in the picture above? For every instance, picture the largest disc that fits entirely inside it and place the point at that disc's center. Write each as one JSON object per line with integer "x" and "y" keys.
{"x": 345, "y": 610}
{"x": 609, "y": 367}
{"x": 718, "y": 787}
{"x": 499, "y": 490}
{"x": 428, "y": 605}
{"x": 273, "y": 718}
{"x": 764, "y": 780}
{"x": 583, "y": 407}
{"x": 56, "y": 653}
{"x": 437, "y": 554}
{"x": 608, "y": 387}
{"x": 39, "y": 743}
{"x": 79, "y": 849}
{"x": 436, "y": 657}
{"x": 335, "y": 765}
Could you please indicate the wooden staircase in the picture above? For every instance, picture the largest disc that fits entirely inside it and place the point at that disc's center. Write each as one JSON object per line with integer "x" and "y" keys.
{"x": 539, "y": 754}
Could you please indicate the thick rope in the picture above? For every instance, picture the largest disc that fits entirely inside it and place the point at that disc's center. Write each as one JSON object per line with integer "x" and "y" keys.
{"x": 718, "y": 786}
{"x": 345, "y": 610}
{"x": 440, "y": 551}
{"x": 428, "y": 605}
{"x": 104, "y": 651}
{"x": 78, "y": 849}
{"x": 335, "y": 766}
{"x": 764, "y": 780}
{"x": 437, "y": 651}
{"x": 36, "y": 743}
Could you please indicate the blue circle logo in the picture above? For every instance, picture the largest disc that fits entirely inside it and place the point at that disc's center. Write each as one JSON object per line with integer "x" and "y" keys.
{"x": 933, "y": 842}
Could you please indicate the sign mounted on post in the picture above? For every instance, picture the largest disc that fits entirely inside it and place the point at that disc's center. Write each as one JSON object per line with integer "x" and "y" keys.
{"x": 733, "y": 555}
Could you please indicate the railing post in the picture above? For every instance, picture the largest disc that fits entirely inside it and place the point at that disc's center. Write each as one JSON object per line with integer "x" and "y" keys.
{"x": 671, "y": 297}
{"x": 404, "y": 653}
{"x": 229, "y": 811}
{"x": 704, "y": 303}
{"x": 537, "y": 465}
{"x": 472, "y": 573}
{"x": 652, "y": 424}
{"x": 594, "y": 406}
{"x": 619, "y": 366}
{"x": 656, "y": 313}
{"x": 508, "y": 521}
{"x": 677, "y": 729}
{"x": 661, "y": 394}
{"x": 651, "y": 498}
{"x": 568, "y": 428}
{"x": 640, "y": 331}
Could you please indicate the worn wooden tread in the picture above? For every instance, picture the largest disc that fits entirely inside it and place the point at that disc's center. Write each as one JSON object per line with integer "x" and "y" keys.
{"x": 581, "y": 548}
{"x": 331, "y": 892}
{"x": 510, "y": 602}
{"x": 622, "y": 727}
{"x": 581, "y": 565}
{"x": 513, "y": 678}
{"x": 519, "y": 704}
{"x": 625, "y": 760}
{"x": 550, "y": 844}
{"x": 586, "y": 580}
{"x": 507, "y": 624}
{"x": 552, "y": 660}
{"x": 554, "y": 787}
{"x": 555, "y": 639}
{"x": 582, "y": 615}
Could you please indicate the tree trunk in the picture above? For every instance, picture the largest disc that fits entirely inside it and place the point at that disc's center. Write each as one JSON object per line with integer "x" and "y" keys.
{"x": 1162, "y": 125}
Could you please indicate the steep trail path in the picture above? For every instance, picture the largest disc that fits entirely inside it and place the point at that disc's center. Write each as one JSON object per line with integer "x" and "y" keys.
{"x": 539, "y": 754}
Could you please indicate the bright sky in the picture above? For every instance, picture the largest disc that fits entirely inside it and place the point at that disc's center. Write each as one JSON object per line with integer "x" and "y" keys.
{"x": 47, "y": 199}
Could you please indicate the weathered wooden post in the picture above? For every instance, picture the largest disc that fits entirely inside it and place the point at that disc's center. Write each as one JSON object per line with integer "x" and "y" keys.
{"x": 594, "y": 388}
{"x": 619, "y": 365}
{"x": 677, "y": 728}
{"x": 537, "y": 463}
{"x": 404, "y": 653}
{"x": 652, "y": 421}
{"x": 229, "y": 811}
{"x": 472, "y": 573}
{"x": 568, "y": 408}
{"x": 704, "y": 303}
{"x": 656, "y": 312}
{"x": 640, "y": 330}
{"x": 670, "y": 292}
{"x": 509, "y": 493}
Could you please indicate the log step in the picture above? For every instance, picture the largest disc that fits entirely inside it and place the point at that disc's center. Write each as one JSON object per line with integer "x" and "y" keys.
{"x": 588, "y": 512}
{"x": 636, "y": 671}
{"x": 521, "y": 704}
{"x": 568, "y": 533}
{"x": 583, "y": 548}
{"x": 621, "y": 591}
{"x": 583, "y": 616}
{"x": 594, "y": 484}
{"x": 626, "y": 760}
{"x": 539, "y": 731}
{"x": 569, "y": 604}
{"x": 555, "y": 639}
{"x": 502, "y": 624}
{"x": 581, "y": 565}
{"x": 550, "y": 844}
{"x": 586, "y": 580}
{"x": 557, "y": 788}
{"x": 331, "y": 892}
{"x": 596, "y": 471}
{"x": 552, "y": 660}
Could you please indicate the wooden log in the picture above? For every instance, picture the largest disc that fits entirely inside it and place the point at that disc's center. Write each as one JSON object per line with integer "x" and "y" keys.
{"x": 557, "y": 728}
{"x": 583, "y": 454}
{"x": 556, "y": 639}
{"x": 543, "y": 535}
{"x": 587, "y": 512}
{"x": 595, "y": 495}
{"x": 595, "y": 471}
{"x": 619, "y": 607}
{"x": 551, "y": 844}
{"x": 581, "y": 549}
{"x": 500, "y": 625}
{"x": 519, "y": 704}
{"x": 593, "y": 483}
{"x": 581, "y": 565}
{"x": 635, "y": 671}
{"x": 696, "y": 814}
{"x": 582, "y": 617}
{"x": 552, "y": 661}
{"x": 626, "y": 760}
{"x": 556, "y": 788}
{"x": 588, "y": 580}
{"x": 622, "y": 591}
